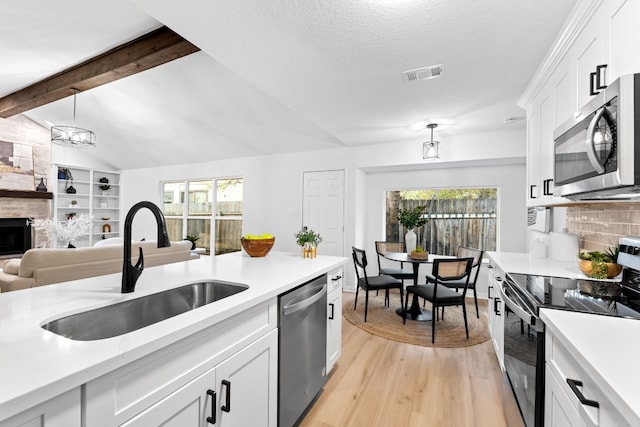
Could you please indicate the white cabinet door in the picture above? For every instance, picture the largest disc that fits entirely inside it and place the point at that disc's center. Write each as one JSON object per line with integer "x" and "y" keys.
{"x": 334, "y": 328}
{"x": 247, "y": 385}
{"x": 495, "y": 307}
{"x": 558, "y": 408}
{"x": 190, "y": 405}
{"x": 533, "y": 159}
{"x": 241, "y": 391}
{"x": 624, "y": 37}
{"x": 61, "y": 411}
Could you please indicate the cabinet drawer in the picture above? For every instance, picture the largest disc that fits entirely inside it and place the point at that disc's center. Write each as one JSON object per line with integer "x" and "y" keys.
{"x": 564, "y": 366}
{"x": 115, "y": 397}
{"x": 334, "y": 280}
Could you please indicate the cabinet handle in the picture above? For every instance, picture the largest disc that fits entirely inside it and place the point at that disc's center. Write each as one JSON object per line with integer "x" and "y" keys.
{"x": 599, "y": 77}
{"x": 573, "y": 385}
{"x": 335, "y": 279}
{"x": 489, "y": 289}
{"x": 531, "y": 196}
{"x": 332, "y": 313}
{"x": 592, "y": 84}
{"x": 546, "y": 187}
{"x": 212, "y": 418}
{"x": 227, "y": 406}
{"x": 496, "y": 310}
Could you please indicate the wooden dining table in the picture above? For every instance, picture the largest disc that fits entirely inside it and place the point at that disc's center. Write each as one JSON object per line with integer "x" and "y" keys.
{"x": 415, "y": 312}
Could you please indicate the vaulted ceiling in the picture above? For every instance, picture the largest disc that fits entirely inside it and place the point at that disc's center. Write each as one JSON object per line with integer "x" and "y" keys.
{"x": 282, "y": 76}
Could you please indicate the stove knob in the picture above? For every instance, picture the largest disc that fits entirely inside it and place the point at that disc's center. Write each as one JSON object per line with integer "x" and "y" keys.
{"x": 636, "y": 250}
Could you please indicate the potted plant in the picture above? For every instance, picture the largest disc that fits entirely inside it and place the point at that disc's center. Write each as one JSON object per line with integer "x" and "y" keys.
{"x": 309, "y": 240}
{"x": 193, "y": 240}
{"x": 411, "y": 219}
{"x": 600, "y": 265}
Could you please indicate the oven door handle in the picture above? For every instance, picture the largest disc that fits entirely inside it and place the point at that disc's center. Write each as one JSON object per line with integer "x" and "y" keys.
{"x": 517, "y": 309}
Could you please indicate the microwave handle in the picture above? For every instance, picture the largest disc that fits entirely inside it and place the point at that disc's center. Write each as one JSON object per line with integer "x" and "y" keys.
{"x": 589, "y": 141}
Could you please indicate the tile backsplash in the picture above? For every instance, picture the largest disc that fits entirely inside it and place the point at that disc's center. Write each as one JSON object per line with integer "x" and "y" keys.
{"x": 600, "y": 225}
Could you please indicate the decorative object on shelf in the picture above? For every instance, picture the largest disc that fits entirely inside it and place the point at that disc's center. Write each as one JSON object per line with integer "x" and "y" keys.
{"x": 104, "y": 185}
{"x": 67, "y": 232}
{"x": 419, "y": 253}
{"x": 600, "y": 265}
{"x": 411, "y": 219}
{"x": 43, "y": 185}
{"x": 72, "y": 136}
{"x": 70, "y": 190}
{"x": 309, "y": 240}
{"x": 71, "y": 215}
{"x": 431, "y": 149}
{"x": 257, "y": 245}
{"x": 106, "y": 228}
{"x": 193, "y": 240}
{"x": 73, "y": 203}
{"x": 106, "y": 218}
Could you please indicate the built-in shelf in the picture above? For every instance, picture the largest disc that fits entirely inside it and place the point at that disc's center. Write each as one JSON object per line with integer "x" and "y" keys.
{"x": 25, "y": 194}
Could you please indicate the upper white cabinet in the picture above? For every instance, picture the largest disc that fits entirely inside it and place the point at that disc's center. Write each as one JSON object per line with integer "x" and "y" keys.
{"x": 597, "y": 45}
{"x": 80, "y": 191}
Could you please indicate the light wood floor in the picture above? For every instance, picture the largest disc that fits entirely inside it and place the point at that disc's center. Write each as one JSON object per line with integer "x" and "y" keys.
{"x": 378, "y": 382}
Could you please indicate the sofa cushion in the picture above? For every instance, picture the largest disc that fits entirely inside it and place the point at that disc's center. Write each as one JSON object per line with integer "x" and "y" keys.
{"x": 11, "y": 266}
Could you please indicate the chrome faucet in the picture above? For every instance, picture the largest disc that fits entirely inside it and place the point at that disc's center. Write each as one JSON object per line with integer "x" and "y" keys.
{"x": 130, "y": 273}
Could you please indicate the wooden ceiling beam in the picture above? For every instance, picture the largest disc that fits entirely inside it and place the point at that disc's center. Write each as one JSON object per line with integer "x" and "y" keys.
{"x": 150, "y": 50}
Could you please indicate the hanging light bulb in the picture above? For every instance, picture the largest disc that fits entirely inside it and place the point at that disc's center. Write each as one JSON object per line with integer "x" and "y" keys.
{"x": 72, "y": 136}
{"x": 431, "y": 149}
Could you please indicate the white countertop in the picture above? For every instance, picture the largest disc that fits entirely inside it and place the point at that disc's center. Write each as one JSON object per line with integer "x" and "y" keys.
{"x": 516, "y": 262}
{"x": 607, "y": 348}
{"x": 36, "y": 365}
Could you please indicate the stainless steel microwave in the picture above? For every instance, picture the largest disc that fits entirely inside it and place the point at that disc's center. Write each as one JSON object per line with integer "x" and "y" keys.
{"x": 597, "y": 154}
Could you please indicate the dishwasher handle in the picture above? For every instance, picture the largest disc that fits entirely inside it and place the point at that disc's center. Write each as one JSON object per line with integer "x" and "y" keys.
{"x": 298, "y": 306}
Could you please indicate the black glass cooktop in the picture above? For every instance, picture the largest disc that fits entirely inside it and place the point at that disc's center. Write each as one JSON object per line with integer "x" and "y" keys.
{"x": 589, "y": 296}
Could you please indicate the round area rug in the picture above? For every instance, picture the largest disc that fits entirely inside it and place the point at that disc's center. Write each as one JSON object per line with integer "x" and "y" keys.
{"x": 384, "y": 322}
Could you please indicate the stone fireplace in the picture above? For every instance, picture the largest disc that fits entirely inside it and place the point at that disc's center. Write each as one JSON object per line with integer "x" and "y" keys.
{"x": 27, "y": 203}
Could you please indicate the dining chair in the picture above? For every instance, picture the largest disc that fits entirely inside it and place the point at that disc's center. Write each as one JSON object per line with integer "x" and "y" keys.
{"x": 445, "y": 270}
{"x": 465, "y": 252}
{"x": 372, "y": 283}
{"x": 401, "y": 273}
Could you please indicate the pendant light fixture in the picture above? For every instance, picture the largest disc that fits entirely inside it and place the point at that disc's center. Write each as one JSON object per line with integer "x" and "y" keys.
{"x": 431, "y": 149}
{"x": 72, "y": 136}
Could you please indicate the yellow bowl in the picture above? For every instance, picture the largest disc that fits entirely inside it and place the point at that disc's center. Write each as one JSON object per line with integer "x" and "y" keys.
{"x": 257, "y": 247}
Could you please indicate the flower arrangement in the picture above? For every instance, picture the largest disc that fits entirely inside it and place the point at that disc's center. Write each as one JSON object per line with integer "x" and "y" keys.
{"x": 67, "y": 231}
{"x": 412, "y": 218}
{"x": 308, "y": 236}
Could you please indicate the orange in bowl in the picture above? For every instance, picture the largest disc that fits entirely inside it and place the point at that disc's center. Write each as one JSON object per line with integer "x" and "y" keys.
{"x": 257, "y": 247}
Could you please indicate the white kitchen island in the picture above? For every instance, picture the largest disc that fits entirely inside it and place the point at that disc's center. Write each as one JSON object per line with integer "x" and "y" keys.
{"x": 41, "y": 370}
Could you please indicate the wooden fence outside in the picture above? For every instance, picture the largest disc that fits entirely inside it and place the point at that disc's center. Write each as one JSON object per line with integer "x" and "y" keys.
{"x": 452, "y": 223}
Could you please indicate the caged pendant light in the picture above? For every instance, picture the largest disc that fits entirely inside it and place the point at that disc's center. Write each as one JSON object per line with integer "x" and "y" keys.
{"x": 431, "y": 149}
{"x": 72, "y": 136}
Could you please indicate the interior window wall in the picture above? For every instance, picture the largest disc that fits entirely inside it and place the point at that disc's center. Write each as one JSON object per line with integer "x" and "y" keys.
{"x": 188, "y": 209}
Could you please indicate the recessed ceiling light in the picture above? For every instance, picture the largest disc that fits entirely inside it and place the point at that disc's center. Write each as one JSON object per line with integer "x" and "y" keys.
{"x": 513, "y": 119}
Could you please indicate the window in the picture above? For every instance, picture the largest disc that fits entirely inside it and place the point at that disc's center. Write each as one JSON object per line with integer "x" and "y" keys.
{"x": 196, "y": 216}
{"x": 456, "y": 217}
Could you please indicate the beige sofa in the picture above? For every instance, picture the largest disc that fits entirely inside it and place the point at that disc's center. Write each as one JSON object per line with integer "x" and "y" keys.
{"x": 44, "y": 266}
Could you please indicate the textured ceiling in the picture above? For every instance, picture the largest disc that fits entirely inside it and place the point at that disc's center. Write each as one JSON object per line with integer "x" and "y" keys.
{"x": 283, "y": 76}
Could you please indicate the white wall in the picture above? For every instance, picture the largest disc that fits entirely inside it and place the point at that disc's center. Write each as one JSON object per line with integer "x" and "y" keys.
{"x": 273, "y": 185}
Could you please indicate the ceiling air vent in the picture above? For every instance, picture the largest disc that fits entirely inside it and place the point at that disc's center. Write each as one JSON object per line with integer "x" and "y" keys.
{"x": 423, "y": 73}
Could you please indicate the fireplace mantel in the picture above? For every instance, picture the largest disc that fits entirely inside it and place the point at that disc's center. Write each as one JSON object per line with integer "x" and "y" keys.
{"x": 21, "y": 194}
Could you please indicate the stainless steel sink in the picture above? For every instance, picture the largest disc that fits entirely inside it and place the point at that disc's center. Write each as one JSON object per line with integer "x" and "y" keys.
{"x": 123, "y": 317}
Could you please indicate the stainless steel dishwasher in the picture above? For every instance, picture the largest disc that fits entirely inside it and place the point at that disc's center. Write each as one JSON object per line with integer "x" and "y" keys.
{"x": 302, "y": 348}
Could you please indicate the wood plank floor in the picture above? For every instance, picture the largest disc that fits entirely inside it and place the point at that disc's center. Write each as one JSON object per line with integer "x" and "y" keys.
{"x": 378, "y": 382}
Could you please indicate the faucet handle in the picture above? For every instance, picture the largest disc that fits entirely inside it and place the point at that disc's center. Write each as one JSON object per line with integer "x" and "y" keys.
{"x": 140, "y": 264}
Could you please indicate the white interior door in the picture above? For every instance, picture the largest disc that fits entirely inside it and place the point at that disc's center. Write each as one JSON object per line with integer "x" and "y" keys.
{"x": 323, "y": 209}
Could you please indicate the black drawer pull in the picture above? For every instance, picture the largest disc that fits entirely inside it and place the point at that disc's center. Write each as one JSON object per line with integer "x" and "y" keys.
{"x": 212, "y": 418}
{"x": 531, "y": 196}
{"x": 335, "y": 279}
{"x": 332, "y": 311}
{"x": 227, "y": 406}
{"x": 574, "y": 384}
{"x": 592, "y": 84}
{"x": 489, "y": 289}
{"x": 496, "y": 310}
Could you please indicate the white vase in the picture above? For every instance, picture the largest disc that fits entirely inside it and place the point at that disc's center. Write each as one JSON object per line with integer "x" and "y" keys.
{"x": 410, "y": 241}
